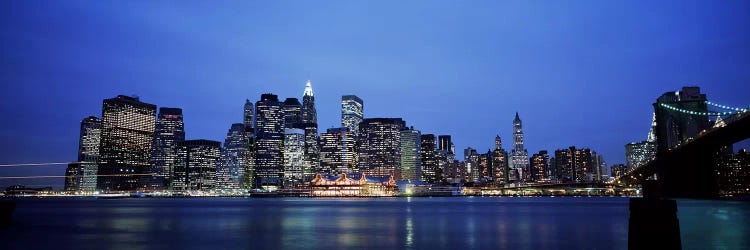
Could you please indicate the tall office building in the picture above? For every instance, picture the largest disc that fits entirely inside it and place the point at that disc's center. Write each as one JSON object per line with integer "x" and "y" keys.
{"x": 310, "y": 125}
{"x": 170, "y": 129}
{"x": 81, "y": 175}
{"x": 499, "y": 162}
{"x": 673, "y": 126}
{"x": 337, "y": 151}
{"x": 195, "y": 165}
{"x": 379, "y": 146}
{"x": 269, "y": 142}
{"x": 292, "y": 113}
{"x": 639, "y": 153}
{"x": 471, "y": 164}
{"x": 230, "y": 171}
{"x": 411, "y": 167}
{"x": 294, "y": 149}
{"x": 519, "y": 157}
{"x": 539, "y": 165}
{"x": 352, "y": 112}
{"x": 429, "y": 158}
{"x": 485, "y": 166}
{"x": 248, "y": 114}
{"x": 574, "y": 165}
{"x": 125, "y": 148}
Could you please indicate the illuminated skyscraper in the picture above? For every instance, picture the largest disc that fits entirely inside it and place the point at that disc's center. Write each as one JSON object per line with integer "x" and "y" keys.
{"x": 337, "y": 151}
{"x": 411, "y": 168}
{"x": 310, "y": 125}
{"x": 352, "y": 112}
{"x": 379, "y": 146}
{"x": 574, "y": 165}
{"x": 170, "y": 129}
{"x": 539, "y": 165}
{"x": 195, "y": 167}
{"x": 294, "y": 149}
{"x": 292, "y": 113}
{"x": 429, "y": 159}
{"x": 639, "y": 153}
{"x": 231, "y": 168}
{"x": 269, "y": 134}
{"x": 519, "y": 157}
{"x": 81, "y": 176}
{"x": 471, "y": 164}
{"x": 125, "y": 149}
{"x": 248, "y": 115}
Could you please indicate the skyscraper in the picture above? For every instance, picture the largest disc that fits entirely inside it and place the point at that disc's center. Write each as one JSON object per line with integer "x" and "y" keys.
{"x": 337, "y": 151}
{"x": 411, "y": 168}
{"x": 674, "y": 126}
{"x": 499, "y": 162}
{"x": 574, "y": 165}
{"x": 81, "y": 175}
{"x": 170, "y": 129}
{"x": 294, "y": 149}
{"x": 429, "y": 162}
{"x": 248, "y": 114}
{"x": 379, "y": 146}
{"x": 195, "y": 167}
{"x": 519, "y": 157}
{"x": 269, "y": 134}
{"x": 639, "y": 153}
{"x": 292, "y": 113}
{"x": 231, "y": 168}
{"x": 310, "y": 125}
{"x": 471, "y": 164}
{"x": 126, "y": 137}
{"x": 539, "y": 165}
{"x": 352, "y": 112}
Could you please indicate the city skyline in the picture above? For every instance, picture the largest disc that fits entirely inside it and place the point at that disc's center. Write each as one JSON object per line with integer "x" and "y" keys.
{"x": 440, "y": 97}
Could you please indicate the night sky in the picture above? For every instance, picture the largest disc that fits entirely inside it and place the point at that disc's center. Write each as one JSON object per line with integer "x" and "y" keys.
{"x": 581, "y": 73}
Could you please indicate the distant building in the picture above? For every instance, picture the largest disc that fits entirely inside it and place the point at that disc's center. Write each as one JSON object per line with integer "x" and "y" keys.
{"x": 639, "y": 153}
{"x": 310, "y": 125}
{"x": 352, "y": 112}
{"x": 125, "y": 149}
{"x": 356, "y": 186}
{"x": 429, "y": 159}
{"x": 519, "y": 157}
{"x": 410, "y": 143}
{"x": 337, "y": 152}
{"x": 471, "y": 165}
{"x": 248, "y": 115}
{"x": 539, "y": 165}
{"x": 81, "y": 175}
{"x": 574, "y": 165}
{"x": 673, "y": 124}
{"x": 269, "y": 134}
{"x": 292, "y": 113}
{"x": 484, "y": 166}
{"x": 294, "y": 149}
{"x": 195, "y": 167}
{"x": 446, "y": 157}
{"x": 379, "y": 146}
{"x": 733, "y": 173}
{"x": 170, "y": 129}
{"x": 618, "y": 170}
{"x": 232, "y": 165}
{"x": 499, "y": 162}
{"x": 600, "y": 167}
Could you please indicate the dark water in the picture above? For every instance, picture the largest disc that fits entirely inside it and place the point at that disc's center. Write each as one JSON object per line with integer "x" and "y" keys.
{"x": 386, "y": 223}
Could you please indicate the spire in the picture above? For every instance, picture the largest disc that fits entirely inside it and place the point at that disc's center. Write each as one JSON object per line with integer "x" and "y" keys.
{"x": 517, "y": 118}
{"x": 308, "y": 89}
{"x": 652, "y": 131}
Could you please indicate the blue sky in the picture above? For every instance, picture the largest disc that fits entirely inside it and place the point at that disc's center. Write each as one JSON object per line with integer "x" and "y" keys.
{"x": 580, "y": 73}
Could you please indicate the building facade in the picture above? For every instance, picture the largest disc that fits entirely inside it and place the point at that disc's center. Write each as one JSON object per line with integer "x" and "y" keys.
{"x": 519, "y": 157}
{"x": 411, "y": 164}
{"x": 539, "y": 166}
{"x": 81, "y": 175}
{"x": 639, "y": 153}
{"x": 352, "y": 112}
{"x": 294, "y": 150}
{"x": 170, "y": 129}
{"x": 292, "y": 113}
{"x": 195, "y": 167}
{"x": 127, "y": 134}
{"x": 379, "y": 146}
{"x": 310, "y": 125}
{"x": 231, "y": 169}
{"x": 269, "y": 142}
{"x": 337, "y": 152}
{"x": 429, "y": 159}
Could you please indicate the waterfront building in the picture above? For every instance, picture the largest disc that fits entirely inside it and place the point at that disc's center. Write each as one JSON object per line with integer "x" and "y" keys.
{"x": 599, "y": 167}
{"x": 484, "y": 165}
{"x": 269, "y": 141}
{"x": 499, "y": 162}
{"x": 352, "y": 112}
{"x": 446, "y": 157}
{"x": 471, "y": 165}
{"x": 310, "y": 125}
{"x": 294, "y": 149}
{"x": 81, "y": 175}
{"x": 354, "y": 186}
{"x": 733, "y": 173}
{"x": 170, "y": 129}
{"x": 428, "y": 158}
{"x": 411, "y": 167}
{"x": 539, "y": 165}
{"x": 519, "y": 157}
{"x": 379, "y": 146}
{"x": 127, "y": 132}
{"x": 195, "y": 166}
{"x": 574, "y": 165}
{"x": 337, "y": 151}
{"x": 231, "y": 169}
{"x": 248, "y": 177}
{"x": 292, "y": 113}
{"x": 673, "y": 126}
{"x": 618, "y": 170}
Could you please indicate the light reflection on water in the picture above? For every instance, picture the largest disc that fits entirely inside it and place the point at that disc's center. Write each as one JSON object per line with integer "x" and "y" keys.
{"x": 303, "y": 223}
